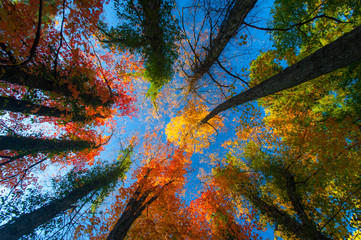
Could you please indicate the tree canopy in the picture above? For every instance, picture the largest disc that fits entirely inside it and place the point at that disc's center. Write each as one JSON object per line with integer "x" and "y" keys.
{"x": 165, "y": 119}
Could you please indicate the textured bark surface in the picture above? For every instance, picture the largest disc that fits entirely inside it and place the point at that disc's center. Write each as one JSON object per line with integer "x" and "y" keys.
{"x": 132, "y": 211}
{"x": 26, "y": 107}
{"x": 22, "y": 106}
{"x": 229, "y": 28}
{"x": 338, "y": 54}
{"x": 279, "y": 216}
{"x": 41, "y": 145}
{"x": 47, "y": 82}
{"x": 152, "y": 28}
{"x": 26, "y": 223}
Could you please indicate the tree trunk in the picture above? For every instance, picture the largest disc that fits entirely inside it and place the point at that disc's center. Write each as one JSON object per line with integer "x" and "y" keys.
{"x": 47, "y": 82}
{"x": 26, "y": 107}
{"x": 152, "y": 29}
{"x": 28, "y": 144}
{"x": 134, "y": 209}
{"x": 228, "y": 29}
{"x": 26, "y": 223}
{"x": 338, "y": 54}
{"x": 280, "y": 217}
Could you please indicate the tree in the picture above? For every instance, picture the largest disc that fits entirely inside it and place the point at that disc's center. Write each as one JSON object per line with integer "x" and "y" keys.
{"x": 18, "y": 143}
{"x": 290, "y": 189}
{"x": 236, "y": 12}
{"x": 297, "y": 164}
{"x": 149, "y": 28}
{"x": 180, "y": 130}
{"x": 137, "y": 208}
{"x": 215, "y": 207}
{"x": 27, "y": 107}
{"x": 63, "y": 66}
{"x": 55, "y": 77}
{"x": 335, "y": 55}
{"x": 101, "y": 180}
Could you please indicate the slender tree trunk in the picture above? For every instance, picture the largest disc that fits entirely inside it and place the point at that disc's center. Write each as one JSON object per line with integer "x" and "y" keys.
{"x": 279, "y": 216}
{"x": 338, "y": 54}
{"x": 47, "y": 82}
{"x": 152, "y": 29}
{"x": 134, "y": 209}
{"x": 26, "y": 144}
{"x": 26, "y": 107}
{"x": 26, "y": 223}
{"x": 304, "y": 227}
{"x": 22, "y": 106}
{"x": 229, "y": 28}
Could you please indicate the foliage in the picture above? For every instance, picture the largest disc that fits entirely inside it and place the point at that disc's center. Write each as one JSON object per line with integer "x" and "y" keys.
{"x": 149, "y": 29}
{"x": 310, "y": 132}
{"x": 184, "y": 131}
{"x": 71, "y": 193}
{"x": 70, "y": 87}
{"x": 324, "y": 28}
{"x": 293, "y": 163}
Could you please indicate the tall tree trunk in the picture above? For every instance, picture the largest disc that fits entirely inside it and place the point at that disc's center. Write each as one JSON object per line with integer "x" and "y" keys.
{"x": 152, "y": 29}
{"x": 229, "y": 28}
{"x": 279, "y": 216}
{"x": 26, "y": 107}
{"x": 17, "y": 143}
{"x": 26, "y": 223}
{"x": 338, "y": 54}
{"x": 47, "y": 82}
{"x": 134, "y": 209}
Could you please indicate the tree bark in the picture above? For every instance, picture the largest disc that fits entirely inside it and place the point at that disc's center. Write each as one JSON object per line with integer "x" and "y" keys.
{"x": 338, "y": 54}
{"x": 152, "y": 29}
{"x": 26, "y": 107}
{"x": 47, "y": 82}
{"x": 134, "y": 209}
{"x": 28, "y": 144}
{"x": 279, "y": 216}
{"x": 26, "y": 223}
{"x": 229, "y": 28}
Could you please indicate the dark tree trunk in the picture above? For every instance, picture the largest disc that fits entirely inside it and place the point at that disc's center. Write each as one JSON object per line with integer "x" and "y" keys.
{"x": 47, "y": 82}
{"x": 26, "y": 107}
{"x": 277, "y": 215}
{"x": 26, "y": 223}
{"x": 338, "y": 54}
{"x": 228, "y": 29}
{"x": 134, "y": 209}
{"x": 28, "y": 144}
{"x": 152, "y": 29}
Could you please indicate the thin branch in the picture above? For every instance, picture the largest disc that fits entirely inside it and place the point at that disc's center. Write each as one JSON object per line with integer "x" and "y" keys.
{"x": 37, "y": 36}
{"x": 295, "y": 25}
{"x": 61, "y": 39}
{"x": 231, "y": 74}
{"x": 13, "y": 158}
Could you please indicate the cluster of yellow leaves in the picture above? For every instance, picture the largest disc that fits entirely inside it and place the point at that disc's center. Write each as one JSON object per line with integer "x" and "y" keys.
{"x": 185, "y": 131}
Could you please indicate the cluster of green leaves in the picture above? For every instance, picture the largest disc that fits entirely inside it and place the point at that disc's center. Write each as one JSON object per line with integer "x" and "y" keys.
{"x": 147, "y": 27}
{"x": 109, "y": 174}
{"x": 328, "y": 17}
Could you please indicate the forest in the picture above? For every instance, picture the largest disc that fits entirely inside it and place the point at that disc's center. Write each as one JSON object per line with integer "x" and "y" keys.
{"x": 180, "y": 119}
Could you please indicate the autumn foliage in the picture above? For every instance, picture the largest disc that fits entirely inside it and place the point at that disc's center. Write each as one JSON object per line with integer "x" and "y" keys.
{"x": 56, "y": 79}
{"x": 288, "y": 163}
